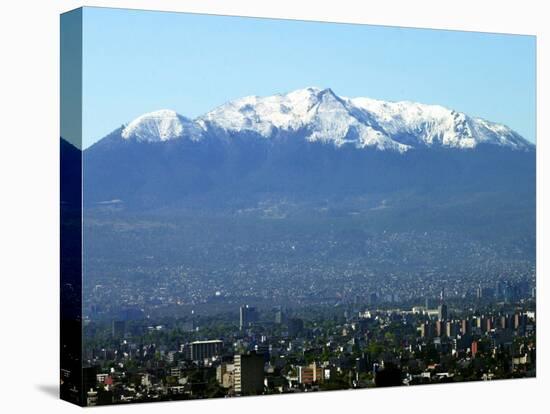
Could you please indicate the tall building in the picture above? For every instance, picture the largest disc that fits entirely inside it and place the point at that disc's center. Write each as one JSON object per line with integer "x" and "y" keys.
{"x": 119, "y": 329}
{"x": 489, "y": 325}
{"x": 442, "y": 312}
{"x": 427, "y": 303}
{"x": 279, "y": 315}
{"x": 426, "y": 330}
{"x": 201, "y": 350}
{"x": 248, "y": 315}
{"x": 465, "y": 327}
{"x": 479, "y": 322}
{"x": 248, "y": 374}
{"x": 452, "y": 329}
{"x": 440, "y": 328}
{"x": 479, "y": 292}
{"x": 508, "y": 293}
{"x": 295, "y": 326}
{"x": 310, "y": 374}
{"x": 503, "y": 322}
{"x": 520, "y": 320}
{"x": 474, "y": 348}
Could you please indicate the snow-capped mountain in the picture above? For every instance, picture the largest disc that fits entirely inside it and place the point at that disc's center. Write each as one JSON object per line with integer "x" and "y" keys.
{"x": 162, "y": 125}
{"x": 415, "y": 123}
{"x": 319, "y": 115}
{"x": 310, "y": 144}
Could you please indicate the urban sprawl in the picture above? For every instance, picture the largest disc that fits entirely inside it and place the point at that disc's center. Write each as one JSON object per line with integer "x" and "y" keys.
{"x": 487, "y": 335}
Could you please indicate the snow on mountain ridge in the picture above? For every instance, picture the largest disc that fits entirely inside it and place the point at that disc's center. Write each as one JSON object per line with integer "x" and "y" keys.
{"x": 162, "y": 125}
{"x": 326, "y": 117}
{"x": 435, "y": 124}
{"x": 263, "y": 114}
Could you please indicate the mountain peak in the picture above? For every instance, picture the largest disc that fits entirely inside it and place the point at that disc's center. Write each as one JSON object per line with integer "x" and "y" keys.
{"x": 326, "y": 91}
{"x": 315, "y": 90}
{"x": 161, "y": 125}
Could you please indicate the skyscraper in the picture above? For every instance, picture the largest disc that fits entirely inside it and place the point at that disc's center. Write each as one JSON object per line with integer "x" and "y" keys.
{"x": 474, "y": 348}
{"x": 479, "y": 292}
{"x": 249, "y": 374}
{"x": 499, "y": 290}
{"x": 465, "y": 327}
{"x": 279, "y": 315}
{"x": 295, "y": 326}
{"x": 118, "y": 329}
{"x": 247, "y": 316}
{"x": 440, "y": 328}
{"x": 442, "y": 312}
{"x": 426, "y": 330}
{"x": 451, "y": 329}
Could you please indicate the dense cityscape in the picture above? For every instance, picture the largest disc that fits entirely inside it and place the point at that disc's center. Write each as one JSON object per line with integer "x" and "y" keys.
{"x": 179, "y": 308}
{"x": 166, "y": 267}
{"x": 487, "y": 336}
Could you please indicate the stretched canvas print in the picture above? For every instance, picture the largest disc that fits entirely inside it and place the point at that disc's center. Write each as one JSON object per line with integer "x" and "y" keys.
{"x": 260, "y": 206}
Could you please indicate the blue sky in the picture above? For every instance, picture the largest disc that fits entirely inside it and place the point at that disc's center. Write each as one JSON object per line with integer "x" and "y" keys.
{"x": 139, "y": 61}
